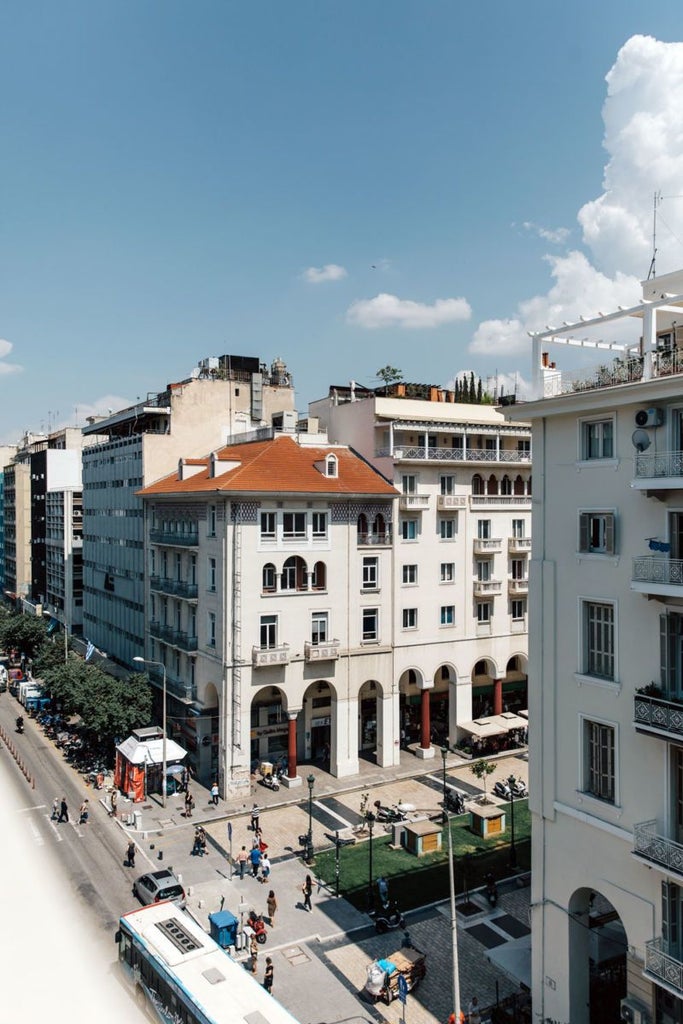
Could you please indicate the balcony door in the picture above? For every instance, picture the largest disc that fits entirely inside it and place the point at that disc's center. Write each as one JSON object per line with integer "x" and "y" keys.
{"x": 677, "y": 759}
{"x": 671, "y": 919}
{"x": 676, "y": 534}
{"x": 671, "y": 655}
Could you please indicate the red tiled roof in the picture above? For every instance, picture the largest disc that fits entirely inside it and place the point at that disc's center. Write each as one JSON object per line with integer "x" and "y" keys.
{"x": 277, "y": 466}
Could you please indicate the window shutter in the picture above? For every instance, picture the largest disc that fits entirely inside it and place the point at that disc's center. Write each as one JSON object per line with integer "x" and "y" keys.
{"x": 669, "y": 639}
{"x": 609, "y": 534}
{"x": 584, "y": 532}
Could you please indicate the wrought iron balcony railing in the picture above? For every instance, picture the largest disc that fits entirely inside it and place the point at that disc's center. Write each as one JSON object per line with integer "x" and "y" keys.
{"x": 656, "y": 848}
{"x": 664, "y": 966}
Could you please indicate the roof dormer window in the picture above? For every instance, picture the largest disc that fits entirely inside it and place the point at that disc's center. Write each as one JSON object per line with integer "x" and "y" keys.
{"x": 331, "y": 466}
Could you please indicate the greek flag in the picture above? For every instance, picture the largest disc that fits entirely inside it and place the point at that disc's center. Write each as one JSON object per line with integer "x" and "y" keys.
{"x": 89, "y": 651}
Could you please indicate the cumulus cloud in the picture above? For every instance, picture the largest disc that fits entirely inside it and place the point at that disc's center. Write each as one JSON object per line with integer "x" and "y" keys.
{"x": 389, "y": 311}
{"x": 318, "y": 275}
{"x": 643, "y": 138}
{"x": 558, "y": 236}
{"x": 7, "y": 368}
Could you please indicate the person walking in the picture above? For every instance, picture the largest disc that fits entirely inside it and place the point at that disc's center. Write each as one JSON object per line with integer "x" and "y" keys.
{"x": 307, "y": 890}
{"x": 255, "y": 812}
{"x": 265, "y": 867}
{"x": 253, "y": 949}
{"x": 130, "y": 853}
{"x": 214, "y": 794}
{"x": 63, "y": 810}
{"x": 83, "y": 813}
{"x": 255, "y": 858}
{"x": 113, "y": 801}
{"x": 473, "y": 1014}
{"x": 268, "y": 976}
{"x": 55, "y": 809}
{"x": 242, "y": 858}
{"x": 271, "y": 904}
{"x": 189, "y": 805}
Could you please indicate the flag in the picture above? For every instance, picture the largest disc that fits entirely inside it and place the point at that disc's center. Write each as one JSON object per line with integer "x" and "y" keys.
{"x": 89, "y": 651}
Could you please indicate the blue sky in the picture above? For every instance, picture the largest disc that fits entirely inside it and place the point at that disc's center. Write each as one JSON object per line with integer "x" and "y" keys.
{"x": 176, "y": 176}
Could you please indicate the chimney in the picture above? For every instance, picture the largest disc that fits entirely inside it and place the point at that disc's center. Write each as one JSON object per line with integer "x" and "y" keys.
{"x": 433, "y": 394}
{"x": 544, "y": 360}
{"x": 400, "y": 390}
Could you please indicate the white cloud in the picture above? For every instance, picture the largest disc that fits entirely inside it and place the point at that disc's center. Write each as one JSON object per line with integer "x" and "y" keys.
{"x": 643, "y": 137}
{"x": 99, "y": 407}
{"x": 558, "y": 236}
{"x": 318, "y": 275}
{"x": 7, "y": 368}
{"x": 390, "y": 311}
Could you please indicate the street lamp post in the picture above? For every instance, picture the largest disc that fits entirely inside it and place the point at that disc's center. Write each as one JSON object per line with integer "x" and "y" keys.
{"x": 371, "y": 896}
{"x": 337, "y": 844}
{"x": 309, "y": 837}
{"x": 513, "y": 851}
{"x": 454, "y": 919}
{"x": 444, "y": 817}
{"x": 160, "y": 665}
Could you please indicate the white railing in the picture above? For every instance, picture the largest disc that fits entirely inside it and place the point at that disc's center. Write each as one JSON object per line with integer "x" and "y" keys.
{"x": 263, "y": 656}
{"x": 501, "y": 500}
{"x": 413, "y": 502}
{"x": 448, "y": 501}
{"x": 407, "y": 452}
{"x": 328, "y": 651}
{"x": 519, "y": 544}
{"x": 487, "y": 545}
{"x": 487, "y": 588}
{"x": 518, "y": 586}
{"x": 658, "y": 464}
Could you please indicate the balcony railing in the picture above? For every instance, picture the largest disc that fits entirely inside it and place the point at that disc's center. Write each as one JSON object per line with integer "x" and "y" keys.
{"x": 500, "y": 500}
{"x": 178, "y": 687}
{"x": 519, "y": 545}
{"x": 173, "y": 637}
{"x": 179, "y": 588}
{"x": 658, "y": 465}
{"x": 487, "y": 588}
{"x": 518, "y": 586}
{"x": 173, "y": 539}
{"x": 657, "y": 849}
{"x": 263, "y": 656}
{"x": 382, "y": 539}
{"x": 328, "y": 651}
{"x": 413, "y": 502}
{"x": 403, "y": 453}
{"x": 487, "y": 545}
{"x": 663, "y": 967}
{"x": 657, "y": 575}
{"x": 444, "y": 502}
{"x": 658, "y": 715}
{"x": 186, "y": 642}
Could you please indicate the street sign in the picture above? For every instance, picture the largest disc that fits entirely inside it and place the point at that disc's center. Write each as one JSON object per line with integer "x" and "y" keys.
{"x": 402, "y": 989}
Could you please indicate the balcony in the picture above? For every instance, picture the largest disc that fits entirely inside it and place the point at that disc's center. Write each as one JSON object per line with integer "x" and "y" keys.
{"x": 658, "y": 716}
{"x": 517, "y": 588}
{"x": 658, "y": 471}
{"x": 500, "y": 501}
{"x": 173, "y": 539}
{"x": 447, "y": 502}
{"x": 261, "y": 657}
{"x": 662, "y": 967}
{"x": 413, "y": 502}
{"x": 186, "y": 642}
{"x": 328, "y": 651}
{"x": 173, "y": 637}
{"x": 377, "y": 540}
{"x": 519, "y": 545}
{"x": 176, "y": 687}
{"x": 487, "y": 588}
{"x": 411, "y": 453}
{"x": 656, "y": 850}
{"x": 178, "y": 588}
{"x": 657, "y": 576}
{"x": 487, "y": 545}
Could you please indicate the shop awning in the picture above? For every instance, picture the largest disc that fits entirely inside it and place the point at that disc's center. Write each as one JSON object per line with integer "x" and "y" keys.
{"x": 510, "y": 721}
{"x": 524, "y": 713}
{"x": 483, "y": 727}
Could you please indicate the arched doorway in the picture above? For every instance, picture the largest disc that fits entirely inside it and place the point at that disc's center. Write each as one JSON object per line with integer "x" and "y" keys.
{"x": 268, "y": 727}
{"x": 439, "y": 705}
{"x": 515, "y": 688}
{"x": 318, "y": 718}
{"x": 368, "y": 719}
{"x": 410, "y": 705}
{"x": 483, "y": 675}
{"x": 597, "y": 959}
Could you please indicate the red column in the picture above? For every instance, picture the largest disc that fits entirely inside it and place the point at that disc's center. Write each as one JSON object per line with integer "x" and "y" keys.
{"x": 425, "y": 725}
{"x": 291, "y": 747}
{"x": 497, "y": 696}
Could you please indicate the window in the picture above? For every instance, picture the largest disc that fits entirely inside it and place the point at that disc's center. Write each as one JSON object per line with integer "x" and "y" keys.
{"x": 410, "y": 618}
{"x": 597, "y": 439}
{"x": 269, "y": 578}
{"x": 596, "y": 533}
{"x": 599, "y": 760}
{"x": 447, "y": 529}
{"x": 518, "y": 608}
{"x": 518, "y": 528}
{"x": 193, "y": 569}
{"x": 447, "y": 484}
{"x": 484, "y": 570}
{"x": 212, "y": 520}
{"x": 409, "y": 483}
{"x": 370, "y": 624}
{"x": 211, "y": 629}
{"x": 506, "y": 485}
{"x": 483, "y": 611}
{"x": 268, "y": 632}
{"x": 518, "y": 568}
{"x": 319, "y": 630}
{"x": 370, "y": 573}
{"x": 267, "y": 526}
{"x": 410, "y": 574}
{"x": 293, "y": 525}
{"x": 447, "y": 614}
{"x": 319, "y": 520}
{"x": 447, "y": 572}
{"x": 319, "y": 576}
{"x": 178, "y": 566}
{"x": 409, "y": 529}
{"x": 211, "y": 576}
{"x": 484, "y": 529}
{"x": 331, "y": 468}
{"x": 598, "y": 639}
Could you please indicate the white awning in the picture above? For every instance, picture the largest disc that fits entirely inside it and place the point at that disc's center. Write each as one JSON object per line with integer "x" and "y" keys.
{"x": 151, "y": 751}
{"x": 510, "y": 721}
{"x": 483, "y": 727}
{"x": 524, "y": 713}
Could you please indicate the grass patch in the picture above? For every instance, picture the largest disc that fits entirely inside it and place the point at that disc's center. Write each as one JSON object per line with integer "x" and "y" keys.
{"x": 414, "y": 881}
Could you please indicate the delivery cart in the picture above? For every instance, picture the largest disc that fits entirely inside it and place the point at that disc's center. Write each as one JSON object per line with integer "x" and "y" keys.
{"x": 383, "y": 975}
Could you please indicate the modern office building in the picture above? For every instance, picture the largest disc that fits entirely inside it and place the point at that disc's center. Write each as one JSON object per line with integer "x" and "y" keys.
{"x": 606, "y": 658}
{"x": 462, "y": 542}
{"x": 224, "y": 396}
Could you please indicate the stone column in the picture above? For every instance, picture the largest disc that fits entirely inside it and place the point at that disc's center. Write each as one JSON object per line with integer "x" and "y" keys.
{"x": 425, "y": 750}
{"x": 497, "y": 696}
{"x": 292, "y": 780}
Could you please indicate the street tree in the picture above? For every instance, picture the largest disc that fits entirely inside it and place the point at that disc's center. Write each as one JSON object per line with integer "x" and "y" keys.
{"x": 112, "y": 707}
{"x": 25, "y": 632}
{"x": 481, "y": 770}
{"x": 389, "y": 375}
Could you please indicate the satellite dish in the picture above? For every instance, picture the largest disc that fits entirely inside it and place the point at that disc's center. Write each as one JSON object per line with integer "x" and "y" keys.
{"x": 641, "y": 440}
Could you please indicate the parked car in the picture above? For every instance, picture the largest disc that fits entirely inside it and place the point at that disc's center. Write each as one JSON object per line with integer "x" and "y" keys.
{"x": 159, "y": 885}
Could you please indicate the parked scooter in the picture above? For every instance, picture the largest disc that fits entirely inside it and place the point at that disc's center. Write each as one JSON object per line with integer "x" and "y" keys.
{"x": 502, "y": 790}
{"x": 455, "y": 802}
{"x": 389, "y": 814}
{"x": 20, "y": 723}
{"x": 256, "y": 922}
{"x": 491, "y": 889}
{"x": 519, "y": 789}
{"x": 270, "y": 782}
{"x": 388, "y": 917}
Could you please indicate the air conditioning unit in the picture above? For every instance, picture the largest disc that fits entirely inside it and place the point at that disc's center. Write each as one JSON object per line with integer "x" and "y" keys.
{"x": 649, "y": 418}
{"x": 633, "y": 1012}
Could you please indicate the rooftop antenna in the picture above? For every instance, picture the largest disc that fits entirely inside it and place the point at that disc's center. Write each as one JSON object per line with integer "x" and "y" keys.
{"x": 657, "y": 198}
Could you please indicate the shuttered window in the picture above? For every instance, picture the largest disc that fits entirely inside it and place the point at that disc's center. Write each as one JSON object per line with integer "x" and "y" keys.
{"x": 600, "y": 761}
{"x": 598, "y": 639}
{"x": 597, "y": 533}
{"x": 671, "y": 654}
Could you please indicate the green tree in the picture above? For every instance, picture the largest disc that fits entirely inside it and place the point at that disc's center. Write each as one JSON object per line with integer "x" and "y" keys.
{"x": 481, "y": 770}
{"x": 112, "y": 707}
{"x": 473, "y": 391}
{"x": 389, "y": 375}
{"x": 48, "y": 657}
{"x": 25, "y": 632}
{"x": 479, "y": 391}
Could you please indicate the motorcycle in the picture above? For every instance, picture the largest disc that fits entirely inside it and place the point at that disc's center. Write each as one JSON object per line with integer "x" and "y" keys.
{"x": 387, "y": 918}
{"x": 255, "y": 922}
{"x": 491, "y": 890}
{"x": 502, "y": 790}
{"x": 389, "y": 814}
{"x": 20, "y": 724}
{"x": 519, "y": 789}
{"x": 455, "y": 802}
{"x": 270, "y": 782}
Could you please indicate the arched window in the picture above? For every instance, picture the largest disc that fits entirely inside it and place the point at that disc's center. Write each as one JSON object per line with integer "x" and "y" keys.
{"x": 506, "y": 485}
{"x": 492, "y": 485}
{"x": 528, "y": 486}
{"x": 331, "y": 466}
{"x": 294, "y": 574}
{"x": 319, "y": 581}
{"x": 477, "y": 484}
{"x": 362, "y": 525}
{"x": 519, "y": 484}
{"x": 379, "y": 527}
{"x": 269, "y": 585}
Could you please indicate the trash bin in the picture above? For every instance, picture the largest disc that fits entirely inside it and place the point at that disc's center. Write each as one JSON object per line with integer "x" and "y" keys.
{"x": 137, "y": 820}
{"x": 223, "y": 927}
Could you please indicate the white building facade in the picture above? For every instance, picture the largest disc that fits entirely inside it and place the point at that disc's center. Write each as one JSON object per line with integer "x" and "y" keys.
{"x": 606, "y": 656}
